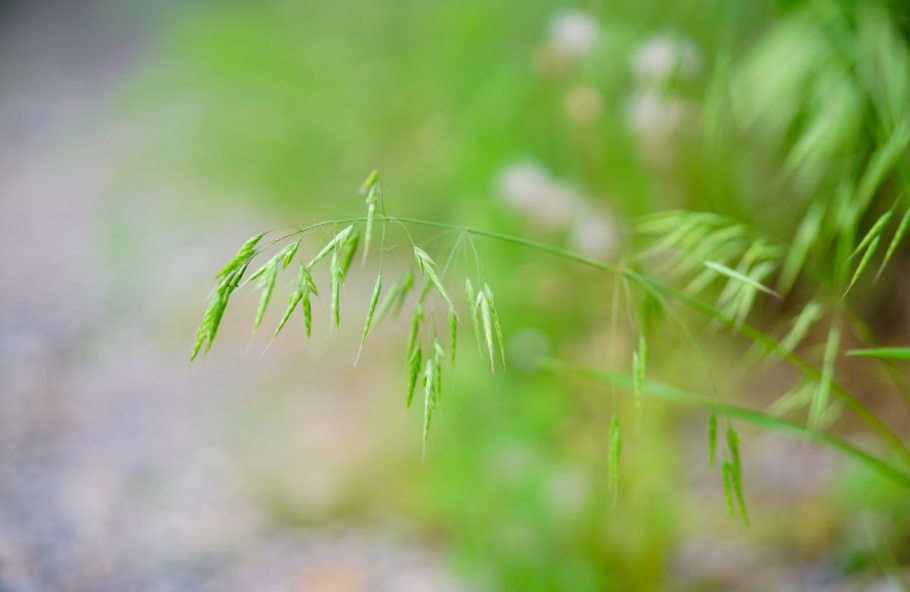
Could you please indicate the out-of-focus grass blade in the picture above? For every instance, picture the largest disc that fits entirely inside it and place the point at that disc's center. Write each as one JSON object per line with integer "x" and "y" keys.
{"x": 682, "y": 397}
{"x": 901, "y": 230}
{"x": 820, "y": 400}
{"x": 805, "y": 238}
{"x": 863, "y": 263}
{"x": 882, "y": 162}
{"x": 890, "y": 353}
{"x": 724, "y": 270}
{"x": 873, "y": 233}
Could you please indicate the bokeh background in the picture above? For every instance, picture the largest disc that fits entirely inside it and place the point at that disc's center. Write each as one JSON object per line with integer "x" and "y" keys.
{"x": 142, "y": 142}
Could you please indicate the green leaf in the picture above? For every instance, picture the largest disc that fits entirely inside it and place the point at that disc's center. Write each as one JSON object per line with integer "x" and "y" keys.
{"x": 863, "y": 263}
{"x": 874, "y": 232}
{"x": 901, "y": 230}
{"x": 890, "y": 353}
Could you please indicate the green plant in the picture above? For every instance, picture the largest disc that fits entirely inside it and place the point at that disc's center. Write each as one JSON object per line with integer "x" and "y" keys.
{"x": 723, "y": 238}
{"x": 787, "y": 265}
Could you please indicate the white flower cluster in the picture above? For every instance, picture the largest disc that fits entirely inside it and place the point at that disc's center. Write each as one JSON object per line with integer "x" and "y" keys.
{"x": 554, "y": 205}
{"x": 574, "y": 33}
{"x": 654, "y": 113}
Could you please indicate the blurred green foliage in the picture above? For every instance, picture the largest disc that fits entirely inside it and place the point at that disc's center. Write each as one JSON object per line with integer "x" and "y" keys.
{"x": 292, "y": 103}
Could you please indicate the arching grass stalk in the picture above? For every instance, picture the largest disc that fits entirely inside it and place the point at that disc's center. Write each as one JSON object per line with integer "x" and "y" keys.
{"x": 690, "y": 399}
{"x": 235, "y": 269}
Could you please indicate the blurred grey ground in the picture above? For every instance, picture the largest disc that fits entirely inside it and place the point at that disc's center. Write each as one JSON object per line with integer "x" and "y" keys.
{"x": 113, "y": 471}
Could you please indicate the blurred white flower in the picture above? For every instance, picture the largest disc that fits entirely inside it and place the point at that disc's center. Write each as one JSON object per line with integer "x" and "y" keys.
{"x": 651, "y": 115}
{"x": 575, "y": 33}
{"x": 594, "y": 233}
{"x": 662, "y": 56}
{"x": 528, "y": 188}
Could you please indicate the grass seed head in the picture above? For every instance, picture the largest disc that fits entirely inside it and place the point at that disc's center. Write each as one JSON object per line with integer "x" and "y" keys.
{"x": 413, "y": 372}
{"x": 267, "y": 284}
{"x": 495, "y": 318}
{"x": 373, "y": 300}
{"x": 453, "y": 331}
